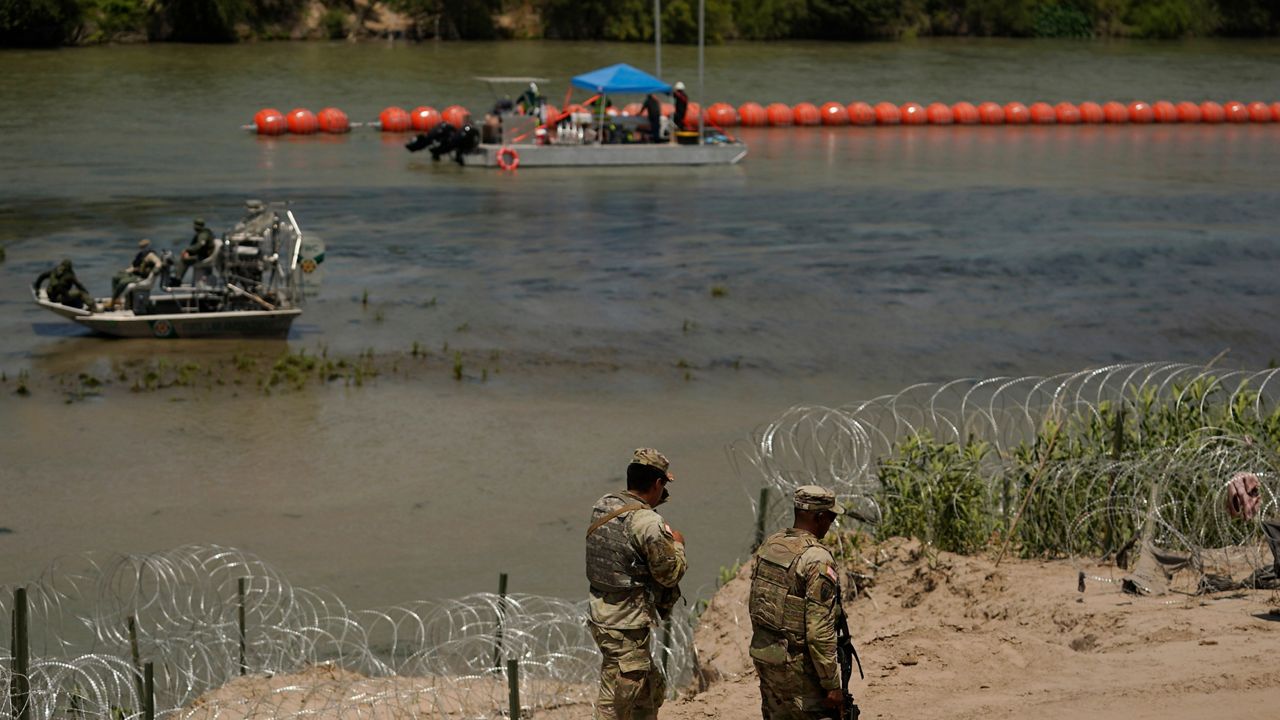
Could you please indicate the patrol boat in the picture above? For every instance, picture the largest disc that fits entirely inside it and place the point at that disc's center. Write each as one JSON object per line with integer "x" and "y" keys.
{"x": 252, "y": 285}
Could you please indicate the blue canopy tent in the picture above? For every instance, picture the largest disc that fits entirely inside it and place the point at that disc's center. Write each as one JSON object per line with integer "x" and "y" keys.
{"x": 620, "y": 78}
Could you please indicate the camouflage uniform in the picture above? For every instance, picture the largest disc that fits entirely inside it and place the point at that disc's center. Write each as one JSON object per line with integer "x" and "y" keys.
{"x": 144, "y": 263}
{"x": 795, "y": 606}
{"x": 201, "y": 247}
{"x": 634, "y": 565}
{"x": 257, "y": 221}
{"x": 65, "y": 288}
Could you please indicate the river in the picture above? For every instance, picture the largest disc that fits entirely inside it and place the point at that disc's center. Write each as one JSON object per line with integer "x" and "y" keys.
{"x": 845, "y": 263}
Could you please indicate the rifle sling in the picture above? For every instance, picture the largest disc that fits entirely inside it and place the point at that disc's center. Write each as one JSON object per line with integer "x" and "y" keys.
{"x": 624, "y": 509}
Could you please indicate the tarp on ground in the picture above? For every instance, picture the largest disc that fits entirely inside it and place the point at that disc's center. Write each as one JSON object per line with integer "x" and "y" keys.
{"x": 620, "y": 78}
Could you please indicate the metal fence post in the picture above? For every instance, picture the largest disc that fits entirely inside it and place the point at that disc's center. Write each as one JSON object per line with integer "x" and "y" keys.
{"x": 502, "y": 607}
{"x": 513, "y": 687}
{"x": 20, "y": 683}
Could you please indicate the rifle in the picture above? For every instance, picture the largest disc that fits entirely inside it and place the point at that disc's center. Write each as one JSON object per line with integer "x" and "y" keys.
{"x": 846, "y": 654}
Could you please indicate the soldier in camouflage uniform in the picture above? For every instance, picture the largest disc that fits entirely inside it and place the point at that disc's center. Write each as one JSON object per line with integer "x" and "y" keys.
{"x": 257, "y": 221}
{"x": 202, "y": 246}
{"x": 65, "y": 288}
{"x": 634, "y": 564}
{"x": 795, "y": 607}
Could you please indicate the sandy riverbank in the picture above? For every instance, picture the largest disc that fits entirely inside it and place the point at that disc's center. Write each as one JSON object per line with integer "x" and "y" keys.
{"x": 946, "y": 636}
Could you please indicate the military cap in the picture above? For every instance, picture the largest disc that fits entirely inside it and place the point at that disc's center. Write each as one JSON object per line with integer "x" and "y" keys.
{"x": 650, "y": 457}
{"x": 199, "y": 222}
{"x": 144, "y": 243}
{"x": 813, "y": 497}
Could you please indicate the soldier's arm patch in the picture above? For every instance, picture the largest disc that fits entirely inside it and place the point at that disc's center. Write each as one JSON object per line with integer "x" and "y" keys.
{"x": 831, "y": 573}
{"x": 826, "y": 591}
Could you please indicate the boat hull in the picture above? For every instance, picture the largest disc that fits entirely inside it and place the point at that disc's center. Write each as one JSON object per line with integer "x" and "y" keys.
{"x": 611, "y": 155}
{"x": 242, "y": 323}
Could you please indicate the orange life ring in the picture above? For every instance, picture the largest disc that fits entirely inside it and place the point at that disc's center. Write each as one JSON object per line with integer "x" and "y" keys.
{"x": 508, "y": 158}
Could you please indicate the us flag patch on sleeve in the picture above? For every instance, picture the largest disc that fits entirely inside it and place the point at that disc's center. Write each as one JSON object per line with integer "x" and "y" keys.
{"x": 831, "y": 573}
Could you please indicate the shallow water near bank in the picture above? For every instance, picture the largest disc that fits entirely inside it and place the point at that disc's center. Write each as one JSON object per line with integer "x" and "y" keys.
{"x": 847, "y": 262}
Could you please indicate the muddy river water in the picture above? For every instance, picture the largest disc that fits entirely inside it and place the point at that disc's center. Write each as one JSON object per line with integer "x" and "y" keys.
{"x": 598, "y": 310}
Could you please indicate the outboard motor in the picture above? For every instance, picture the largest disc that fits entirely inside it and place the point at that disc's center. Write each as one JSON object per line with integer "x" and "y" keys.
{"x": 439, "y": 140}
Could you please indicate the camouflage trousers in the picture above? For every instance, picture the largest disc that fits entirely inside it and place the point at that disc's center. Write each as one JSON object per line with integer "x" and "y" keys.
{"x": 790, "y": 692}
{"x": 631, "y": 686}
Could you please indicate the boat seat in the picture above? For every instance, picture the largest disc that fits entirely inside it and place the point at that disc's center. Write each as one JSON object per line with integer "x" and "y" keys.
{"x": 134, "y": 295}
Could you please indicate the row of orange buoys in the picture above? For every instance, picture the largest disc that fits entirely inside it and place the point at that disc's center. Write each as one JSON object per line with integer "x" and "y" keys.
{"x": 989, "y": 113}
{"x": 301, "y": 121}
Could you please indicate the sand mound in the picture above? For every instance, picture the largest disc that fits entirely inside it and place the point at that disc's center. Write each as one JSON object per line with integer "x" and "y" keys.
{"x": 941, "y": 636}
{"x": 948, "y": 636}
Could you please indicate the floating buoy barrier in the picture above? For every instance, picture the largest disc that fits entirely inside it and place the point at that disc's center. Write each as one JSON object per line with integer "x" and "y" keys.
{"x": 270, "y": 121}
{"x": 887, "y": 114}
{"x": 301, "y": 121}
{"x": 752, "y": 115}
{"x": 333, "y": 121}
{"x": 861, "y": 113}
{"x": 394, "y": 119}
{"x": 780, "y": 115}
{"x": 424, "y": 117}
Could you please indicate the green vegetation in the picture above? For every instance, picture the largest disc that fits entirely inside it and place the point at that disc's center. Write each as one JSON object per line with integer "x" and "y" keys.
{"x": 39, "y": 23}
{"x": 1083, "y": 481}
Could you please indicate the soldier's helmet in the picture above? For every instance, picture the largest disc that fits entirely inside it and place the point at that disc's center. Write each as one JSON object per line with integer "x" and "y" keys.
{"x": 144, "y": 243}
{"x": 65, "y": 264}
{"x": 814, "y": 497}
{"x": 199, "y": 223}
{"x": 650, "y": 457}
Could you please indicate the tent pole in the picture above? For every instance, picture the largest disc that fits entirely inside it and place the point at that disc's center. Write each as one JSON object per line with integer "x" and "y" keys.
{"x": 657, "y": 37}
{"x": 702, "y": 89}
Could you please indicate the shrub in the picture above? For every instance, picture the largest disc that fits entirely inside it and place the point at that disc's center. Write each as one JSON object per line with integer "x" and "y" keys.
{"x": 37, "y": 23}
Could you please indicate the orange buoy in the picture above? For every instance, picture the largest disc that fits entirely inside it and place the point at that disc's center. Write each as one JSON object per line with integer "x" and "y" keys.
{"x": 1236, "y": 111}
{"x": 939, "y": 114}
{"x": 752, "y": 115}
{"x": 270, "y": 121}
{"x": 549, "y": 113}
{"x": 1164, "y": 111}
{"x": 1067, "y": 113}
{"x": 1015, "y": 113}
{"x": 424, "y": 117}
{"x": 1188, "y": 112}
{"x": 1275, "y": 112}
{"x": 1141, "y": 113}
{"x": 833, "y": 113}
{"x": 779, "y": 114}
{"x": 334, "y": 121}
{"x": 302, "y": 121}
{"x": 394, "y": 119}
{"x": 457, "y": 116}
{"x": 887, "y": 114}
{"x": 806, "y": 114}
{"x": 668, "y": 109}
{"x": 1091, "y": 112}
{"x": 1259, "y": 112}
{"x": 1115, "y": 112}
{"x": 1211, "y": 112}
{"x": 861, "y": 113}
{"x": 913, "y": 114}
{"x": 964, "y": 113}
{"x": 991, "y": 113}
{"x": 722, "y": 115}
{"x": 691, "y": 115}
{"x": 1042, "y": 113}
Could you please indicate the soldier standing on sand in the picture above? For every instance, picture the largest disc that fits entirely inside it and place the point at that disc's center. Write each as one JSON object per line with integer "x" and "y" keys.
{"x": 634, "y": 563}
{"x": 795, "y": 607}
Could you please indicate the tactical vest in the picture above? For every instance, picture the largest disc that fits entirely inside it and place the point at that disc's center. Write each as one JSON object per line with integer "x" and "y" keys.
{"x": 614, "y": 564}
{"x": 777, "y": 600}
{"x": 60, "y": 283}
